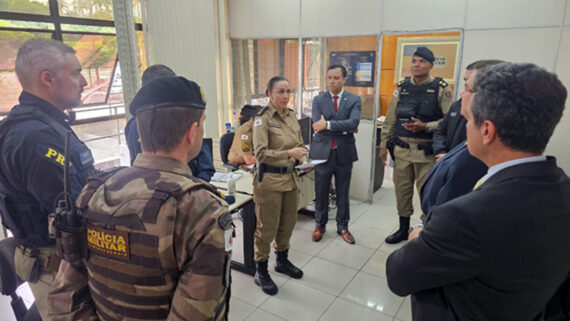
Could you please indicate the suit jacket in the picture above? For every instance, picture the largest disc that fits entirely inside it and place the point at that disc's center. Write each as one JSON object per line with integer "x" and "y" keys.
{"x": 342, "y": 124}
{"x": 497, "y": 253}
{"x": 454, "y": 175}
{"x": 451, "y": 130}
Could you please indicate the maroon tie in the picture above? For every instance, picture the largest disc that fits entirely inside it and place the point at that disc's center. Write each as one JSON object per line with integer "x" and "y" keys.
{"x": 336, "y": 111}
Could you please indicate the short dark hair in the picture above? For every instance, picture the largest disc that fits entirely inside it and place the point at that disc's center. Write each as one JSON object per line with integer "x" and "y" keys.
{"x": 480, "y": 64}
{"x": 524, "y": 101}
{"x": 154, "y": 72}
{"x": 162, "y": 130}
{"x": 341, "y": 67}
{"x": 271, "y": 83}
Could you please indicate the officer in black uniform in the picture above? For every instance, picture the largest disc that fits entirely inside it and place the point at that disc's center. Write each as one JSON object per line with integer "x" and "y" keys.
{"x": 32, "y": 139}
{"x": 418, "y": 105}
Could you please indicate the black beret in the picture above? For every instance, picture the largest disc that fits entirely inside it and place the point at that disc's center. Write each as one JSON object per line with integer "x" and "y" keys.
{"x": 168, "y": 92}
{"x": 249, "y": 111}
{"x": 425, "y": 53}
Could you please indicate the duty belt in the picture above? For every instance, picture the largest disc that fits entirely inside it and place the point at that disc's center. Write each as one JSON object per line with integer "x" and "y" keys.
{"x": 278, "y": 169}
{"x": 426, "y": 147}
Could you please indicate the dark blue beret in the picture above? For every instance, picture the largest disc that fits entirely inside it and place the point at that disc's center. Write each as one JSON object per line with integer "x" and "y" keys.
{"x": 168, "y": 92}
{"x": 425, "y": 53}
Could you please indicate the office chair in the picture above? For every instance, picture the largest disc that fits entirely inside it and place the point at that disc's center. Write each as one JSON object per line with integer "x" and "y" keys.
{"x": 9, "y": 282}
{"x": 225, "y": 146}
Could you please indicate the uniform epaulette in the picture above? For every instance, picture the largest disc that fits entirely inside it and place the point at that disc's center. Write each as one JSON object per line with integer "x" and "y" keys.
{"x": 403, "y": 81}
{"x": 442, "y": 83}
{"x": 262, "y": 110}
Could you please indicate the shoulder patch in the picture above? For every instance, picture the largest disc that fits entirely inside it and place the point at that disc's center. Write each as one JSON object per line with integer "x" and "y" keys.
{"x": 51, "y": 154}
{"x": 448, "y": 94}
{"x": 86, "y": 158}
{"x": 246, "y": 148}
{"x": 244, "y": 137}
{"x": 395, "y": 92}
{"x": 257, "y": 122}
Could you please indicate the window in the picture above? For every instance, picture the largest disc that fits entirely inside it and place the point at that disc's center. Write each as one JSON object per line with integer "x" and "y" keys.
{"x": 88, "y": 27}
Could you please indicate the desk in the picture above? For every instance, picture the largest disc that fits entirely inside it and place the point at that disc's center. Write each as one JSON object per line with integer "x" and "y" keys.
{"x": 245, "y": 185}
{"x": 245, "y": 203}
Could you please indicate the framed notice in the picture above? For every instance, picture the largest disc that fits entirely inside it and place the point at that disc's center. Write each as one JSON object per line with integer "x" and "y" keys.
{"x": 359, "y": 66}
{"x": 445, "y": 50}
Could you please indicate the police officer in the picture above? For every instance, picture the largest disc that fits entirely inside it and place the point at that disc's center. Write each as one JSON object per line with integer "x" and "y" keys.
{"x": 32, "y": 140}
{"x": 158, "y": 239}
{"x": 278, "y": 147}
{"x": 418, "y": 105}
{"x": 201, "y": 166}
{"x": 241, "y": 151}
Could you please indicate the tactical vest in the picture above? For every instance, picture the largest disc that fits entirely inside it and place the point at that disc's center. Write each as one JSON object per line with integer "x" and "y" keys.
{"x": 131, "y": 264}
{"x": 419, "y": 102}
{"x": 20, "y": 211}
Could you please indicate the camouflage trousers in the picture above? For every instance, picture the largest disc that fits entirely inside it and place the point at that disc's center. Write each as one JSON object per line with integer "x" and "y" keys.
{"x": 276, "y": 214}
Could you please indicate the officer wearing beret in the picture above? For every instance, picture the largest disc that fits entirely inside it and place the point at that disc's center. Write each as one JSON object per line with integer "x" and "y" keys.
{"x": 32, "y": 141}
{"x": 202, "y": 166}
{"x": 158, "y": 240}
{"x": 418, "y": 105}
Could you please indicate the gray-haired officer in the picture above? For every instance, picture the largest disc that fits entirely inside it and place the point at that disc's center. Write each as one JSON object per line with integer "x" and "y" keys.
{"x": 32, "y": 140}
{"x": 418, "y": 105}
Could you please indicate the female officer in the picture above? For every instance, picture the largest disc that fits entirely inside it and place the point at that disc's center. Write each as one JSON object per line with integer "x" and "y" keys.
{"x": 278, "y": 148}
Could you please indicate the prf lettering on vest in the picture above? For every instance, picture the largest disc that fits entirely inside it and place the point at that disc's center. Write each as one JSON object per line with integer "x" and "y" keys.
{"x": 59, "y": 158}
{"x": 109, "y": 243}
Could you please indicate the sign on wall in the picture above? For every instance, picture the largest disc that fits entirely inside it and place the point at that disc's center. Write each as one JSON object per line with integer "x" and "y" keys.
{"x": 359, "y": 66}
{"x": 445, "y": 50}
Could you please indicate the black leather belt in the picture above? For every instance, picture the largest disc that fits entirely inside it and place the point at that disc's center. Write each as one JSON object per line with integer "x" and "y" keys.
{"x": 278, "y": 169}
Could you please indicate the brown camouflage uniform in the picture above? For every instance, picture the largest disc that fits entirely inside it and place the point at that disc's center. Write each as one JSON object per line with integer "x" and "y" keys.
{"x": 159, "y": 247}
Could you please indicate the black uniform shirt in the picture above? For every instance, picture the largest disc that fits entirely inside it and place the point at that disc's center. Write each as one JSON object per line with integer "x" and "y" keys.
{"x": 31, "y": 164}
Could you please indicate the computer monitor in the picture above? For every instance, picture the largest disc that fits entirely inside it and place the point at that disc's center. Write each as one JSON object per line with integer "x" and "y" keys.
{"x": 306, "y": 129}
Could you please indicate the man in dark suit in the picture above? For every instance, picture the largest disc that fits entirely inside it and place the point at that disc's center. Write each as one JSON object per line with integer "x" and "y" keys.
{"x": 336, "y": 115}
{"x": 456, "y": 172}
{"x": 501, "y": 251}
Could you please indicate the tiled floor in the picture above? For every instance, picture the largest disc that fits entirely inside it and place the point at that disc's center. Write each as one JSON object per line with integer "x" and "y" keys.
{"x": 341, "y": 281}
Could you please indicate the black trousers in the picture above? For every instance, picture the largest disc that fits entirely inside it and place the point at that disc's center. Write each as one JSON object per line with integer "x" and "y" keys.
{"x": 323, "y": 177}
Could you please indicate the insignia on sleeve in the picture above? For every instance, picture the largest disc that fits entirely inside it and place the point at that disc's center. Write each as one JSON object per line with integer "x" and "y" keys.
{"x": 257, "y": 122}
{"x": 245, "y": 148}
{"x": 448, "y": 94}
{"x": 244, "y": 137}
{"x": 395, "y": 92}
{"x": 86, "y": 158}
{"x": 53, "y": 155}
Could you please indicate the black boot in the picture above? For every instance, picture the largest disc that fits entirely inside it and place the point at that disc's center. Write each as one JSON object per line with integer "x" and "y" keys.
{"x": 402, "y": 233}
{"x": 285, "y": 266}
{"x": 263, "y": 279}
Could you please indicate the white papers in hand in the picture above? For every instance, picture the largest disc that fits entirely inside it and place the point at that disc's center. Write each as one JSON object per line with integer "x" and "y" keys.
{"x": 311, "y": 164}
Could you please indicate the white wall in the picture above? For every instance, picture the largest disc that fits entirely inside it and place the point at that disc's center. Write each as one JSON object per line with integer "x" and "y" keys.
{"x": 185, "y": 35}
{"x": 512, "y": 30}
